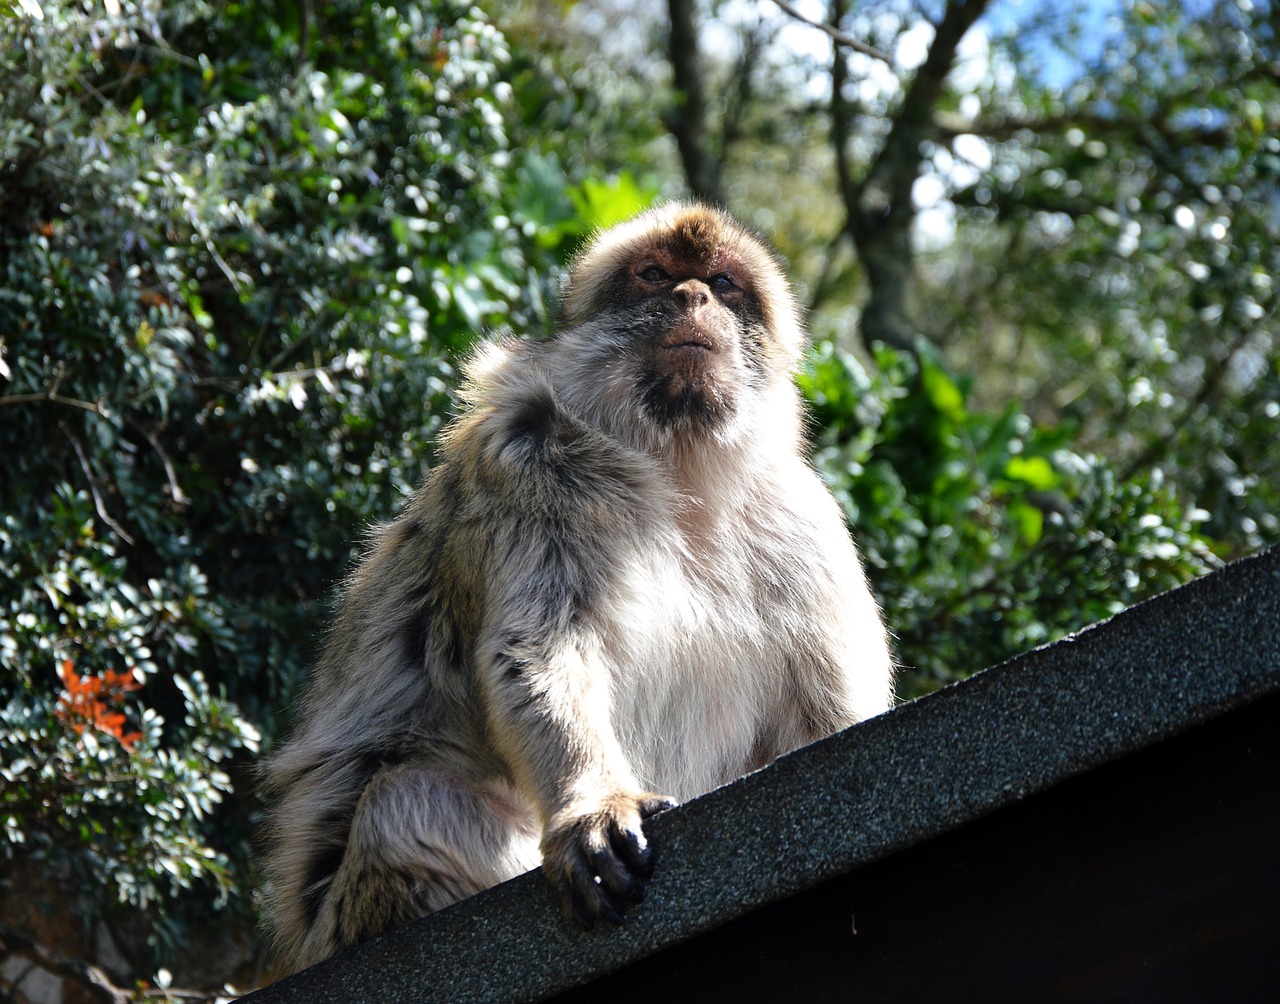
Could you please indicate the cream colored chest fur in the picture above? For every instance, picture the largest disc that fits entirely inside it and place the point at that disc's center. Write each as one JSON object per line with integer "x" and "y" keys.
{"x": 697, "y": 651}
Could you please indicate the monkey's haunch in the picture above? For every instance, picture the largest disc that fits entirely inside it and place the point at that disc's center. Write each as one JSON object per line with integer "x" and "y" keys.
{"x": 622, "y": 585}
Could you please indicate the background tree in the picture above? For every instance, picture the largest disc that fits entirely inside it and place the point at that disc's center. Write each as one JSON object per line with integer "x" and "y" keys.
{"x": 243, "y": 248}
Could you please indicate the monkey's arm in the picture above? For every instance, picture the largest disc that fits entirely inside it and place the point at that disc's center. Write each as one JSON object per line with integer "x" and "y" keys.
{"x": 564, "y": 497}
{"x": 549, "y": 711}
{"x": 849, "y": 676}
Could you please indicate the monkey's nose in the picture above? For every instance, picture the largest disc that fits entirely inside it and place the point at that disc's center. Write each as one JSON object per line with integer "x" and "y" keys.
{"x": 692, "y": 293}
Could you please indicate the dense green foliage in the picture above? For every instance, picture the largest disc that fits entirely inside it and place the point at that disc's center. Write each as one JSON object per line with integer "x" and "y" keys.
{"x": 232, "y": 286}
{"x": 1137, "y": 210}
{"x": 241, "y": 253}
{"x": 984, "y": 534}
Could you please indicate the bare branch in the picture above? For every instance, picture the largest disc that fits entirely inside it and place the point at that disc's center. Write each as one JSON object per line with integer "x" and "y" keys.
{"x": 175, "y": 490}
{"x": 92, "y": 979}
{"x": 98, "y": 504}
{"x": 52, "y": 396}
{"x": 836, "y": 35}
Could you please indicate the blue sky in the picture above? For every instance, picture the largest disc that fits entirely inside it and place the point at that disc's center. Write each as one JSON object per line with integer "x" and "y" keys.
{"x": 1057, "y": 66}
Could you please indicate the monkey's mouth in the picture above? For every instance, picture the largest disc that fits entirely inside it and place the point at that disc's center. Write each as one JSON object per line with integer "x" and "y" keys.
{"x": 684, "y": 338}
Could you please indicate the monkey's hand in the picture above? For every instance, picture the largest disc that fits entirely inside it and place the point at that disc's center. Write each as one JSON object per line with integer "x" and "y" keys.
{"x": 596, "y": 855}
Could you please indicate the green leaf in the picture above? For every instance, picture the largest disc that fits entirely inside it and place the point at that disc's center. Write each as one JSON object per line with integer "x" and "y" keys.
{"x": 1035, "y": 472}
{"x": 1028, "y": 519}
{"x": 943, "y": 392}
{"x": 601, "y": 204}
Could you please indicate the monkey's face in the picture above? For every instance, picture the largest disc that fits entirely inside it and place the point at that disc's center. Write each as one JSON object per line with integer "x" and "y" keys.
{"x": 697, "y": 324}
{"x": 676, "y": 322}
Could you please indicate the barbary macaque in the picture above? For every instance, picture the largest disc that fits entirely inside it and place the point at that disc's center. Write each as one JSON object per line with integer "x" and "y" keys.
{"x": 621, "y": 586}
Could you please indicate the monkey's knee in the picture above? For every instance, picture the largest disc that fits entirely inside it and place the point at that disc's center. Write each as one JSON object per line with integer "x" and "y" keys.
{"x": 422, "y": 839}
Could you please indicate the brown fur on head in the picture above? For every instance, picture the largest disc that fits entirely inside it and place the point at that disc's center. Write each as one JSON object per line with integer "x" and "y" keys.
{"x": 702, "y": 237}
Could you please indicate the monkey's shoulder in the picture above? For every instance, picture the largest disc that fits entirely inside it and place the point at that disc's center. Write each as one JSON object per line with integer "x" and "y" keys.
{"x": 530, "y": 446}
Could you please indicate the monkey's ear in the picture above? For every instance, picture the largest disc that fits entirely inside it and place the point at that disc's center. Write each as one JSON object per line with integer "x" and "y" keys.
{"x": 783, "y": 321}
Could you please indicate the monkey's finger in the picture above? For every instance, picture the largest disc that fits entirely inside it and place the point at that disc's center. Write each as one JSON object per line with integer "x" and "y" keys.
{"x": 651, "y": 805}
{"x": 633, "y": 847}
{"x": 588, "y": 897}
{"x": 611, "y": 906}
{"x": 594, "y": 900}
{"x": 634, "y": 853}
{"x": 616, "y": 868}
{"x": 582, "y": 913}
{"x": 579, "y": 896}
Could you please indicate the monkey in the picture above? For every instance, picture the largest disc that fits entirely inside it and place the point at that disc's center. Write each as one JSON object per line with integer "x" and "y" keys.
{"x": 621, "y": 585}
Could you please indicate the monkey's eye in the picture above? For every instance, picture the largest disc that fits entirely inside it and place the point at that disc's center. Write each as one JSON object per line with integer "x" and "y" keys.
{"x": 654, "y": 274}
{"x": 723, "y": 283}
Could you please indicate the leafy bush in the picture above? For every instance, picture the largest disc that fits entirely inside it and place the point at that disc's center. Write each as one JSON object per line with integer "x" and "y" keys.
{"x": 984, "y": 534}
{"x": 232, "y": 281}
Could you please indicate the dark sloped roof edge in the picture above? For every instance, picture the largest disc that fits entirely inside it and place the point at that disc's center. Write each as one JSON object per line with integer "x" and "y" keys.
{"x": 917, "y": 771}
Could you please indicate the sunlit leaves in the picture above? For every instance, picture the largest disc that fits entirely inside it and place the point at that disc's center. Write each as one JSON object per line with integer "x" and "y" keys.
{"x": 984, "y": 533}
{"x": 1135, "y": 211}
{"x": 21, "y": 8}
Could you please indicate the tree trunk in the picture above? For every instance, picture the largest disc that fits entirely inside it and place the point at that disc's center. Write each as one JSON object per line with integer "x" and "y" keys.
{"x": 878, "y": 209}
{"x": 688, "y": 119}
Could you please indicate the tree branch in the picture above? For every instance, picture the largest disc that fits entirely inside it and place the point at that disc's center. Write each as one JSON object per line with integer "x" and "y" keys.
{"x": 878, "y": 209}
{"x": 897, "y": 165}
{"x": 91, "y": 978}
{"x": 98, "y": 504}
{"x": 175, "y": 490}
{"x": 52, "y": 396}
{"x": 836, "y": 35}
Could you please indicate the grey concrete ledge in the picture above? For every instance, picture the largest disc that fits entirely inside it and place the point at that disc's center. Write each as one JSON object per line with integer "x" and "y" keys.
{"x": 916, "y": 772}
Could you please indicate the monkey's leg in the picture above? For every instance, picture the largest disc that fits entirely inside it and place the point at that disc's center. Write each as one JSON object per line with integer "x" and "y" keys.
{"x": 421, "y": 839}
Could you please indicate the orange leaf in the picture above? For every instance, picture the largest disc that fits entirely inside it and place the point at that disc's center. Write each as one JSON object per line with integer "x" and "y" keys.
{"x": 88, "y": 700}
{"x": 121, "y": 681}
